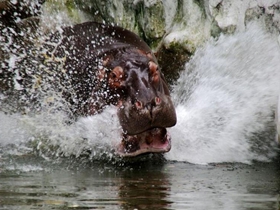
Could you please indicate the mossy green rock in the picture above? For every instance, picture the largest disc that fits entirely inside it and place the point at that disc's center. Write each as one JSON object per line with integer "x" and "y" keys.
{"x": 150, "y": 17}
{"x": 120, "y": 12}
{"x": 157, "y": 22}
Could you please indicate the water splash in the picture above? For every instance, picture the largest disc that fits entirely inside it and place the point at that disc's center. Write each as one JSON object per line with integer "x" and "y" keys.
{"x": 51, "y": 136}
{"x": 225, "y": 100}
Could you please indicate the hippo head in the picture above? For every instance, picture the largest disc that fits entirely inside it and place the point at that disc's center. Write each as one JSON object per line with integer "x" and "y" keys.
{"x": 145, "y": 108}
{"x": 114, "y": 66}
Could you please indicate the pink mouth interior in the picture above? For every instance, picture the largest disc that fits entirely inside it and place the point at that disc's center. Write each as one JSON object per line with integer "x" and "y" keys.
{"x": 155, "y": 140}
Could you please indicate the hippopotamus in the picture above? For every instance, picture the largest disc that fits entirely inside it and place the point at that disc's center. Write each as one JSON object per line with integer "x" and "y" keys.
{"x": 109, "y": 65}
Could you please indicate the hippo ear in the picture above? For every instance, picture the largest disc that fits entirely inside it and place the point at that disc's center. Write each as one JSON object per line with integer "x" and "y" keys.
{"x": 153, "y": 67}
{"x": 116, "y": 77}
{"x": 102, "y": 67}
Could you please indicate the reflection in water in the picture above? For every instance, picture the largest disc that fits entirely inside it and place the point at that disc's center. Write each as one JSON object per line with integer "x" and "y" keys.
{"x": 145, "y": 188}
{"x": 146, "y": 185}
{"x": 87, "y": 186}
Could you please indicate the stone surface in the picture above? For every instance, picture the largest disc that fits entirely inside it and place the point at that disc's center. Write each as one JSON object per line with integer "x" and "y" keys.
{"x": 186, "y": 24}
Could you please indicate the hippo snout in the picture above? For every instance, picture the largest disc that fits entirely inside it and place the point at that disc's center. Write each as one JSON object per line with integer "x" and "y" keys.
{"x": 140, "y": 116}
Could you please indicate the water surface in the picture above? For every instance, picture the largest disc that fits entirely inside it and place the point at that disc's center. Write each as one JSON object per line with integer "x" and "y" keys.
{"x": 151, "y": 184}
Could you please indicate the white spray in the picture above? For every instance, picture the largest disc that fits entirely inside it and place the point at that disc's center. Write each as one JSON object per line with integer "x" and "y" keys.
{"x": 225, "y": 99}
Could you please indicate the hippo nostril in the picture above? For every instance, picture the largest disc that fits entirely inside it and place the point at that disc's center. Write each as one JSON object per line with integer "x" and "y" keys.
{"x": 157, "y": 101}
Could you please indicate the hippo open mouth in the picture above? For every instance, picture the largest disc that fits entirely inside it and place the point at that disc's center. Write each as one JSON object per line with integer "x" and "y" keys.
{"x": 155, "y": 140}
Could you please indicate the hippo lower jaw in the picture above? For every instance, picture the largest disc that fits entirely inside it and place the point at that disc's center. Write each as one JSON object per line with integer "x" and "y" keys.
{"x": 155, "y": 140}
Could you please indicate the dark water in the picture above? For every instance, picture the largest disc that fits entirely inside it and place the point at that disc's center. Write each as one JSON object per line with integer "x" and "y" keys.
{"x": 31, "y": 183}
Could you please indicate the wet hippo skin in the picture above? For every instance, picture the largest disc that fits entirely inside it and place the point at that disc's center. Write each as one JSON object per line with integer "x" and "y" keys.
{"x": 108, "y": 65}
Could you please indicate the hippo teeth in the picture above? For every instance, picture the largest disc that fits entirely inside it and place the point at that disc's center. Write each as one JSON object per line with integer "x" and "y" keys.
{"x": 155, "y": 140}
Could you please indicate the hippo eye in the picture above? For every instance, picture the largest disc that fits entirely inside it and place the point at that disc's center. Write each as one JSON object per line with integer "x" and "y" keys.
{"x": 116, "y": 77}
{"x": 154, "y": 71}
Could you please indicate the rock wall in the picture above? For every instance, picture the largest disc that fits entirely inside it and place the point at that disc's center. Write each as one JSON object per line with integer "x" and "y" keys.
{"x": 169, "y": 23}
{"x": 173, "y": 28}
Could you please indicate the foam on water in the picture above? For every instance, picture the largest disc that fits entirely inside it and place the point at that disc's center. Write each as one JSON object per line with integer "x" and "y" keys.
{"x": 225, "y": 100}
